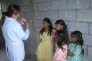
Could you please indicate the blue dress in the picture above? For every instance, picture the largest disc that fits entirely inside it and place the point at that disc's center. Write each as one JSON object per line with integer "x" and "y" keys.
{"x": 76, "y": 49}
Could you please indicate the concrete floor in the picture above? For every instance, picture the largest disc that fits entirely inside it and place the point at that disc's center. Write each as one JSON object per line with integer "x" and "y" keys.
{"x": 3, "y": 57}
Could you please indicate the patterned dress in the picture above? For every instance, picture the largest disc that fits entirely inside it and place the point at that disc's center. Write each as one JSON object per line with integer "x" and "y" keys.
{"x": 60, "y": 55}
{"x": 45, "y": 48}
{"x": 76, "y": 49}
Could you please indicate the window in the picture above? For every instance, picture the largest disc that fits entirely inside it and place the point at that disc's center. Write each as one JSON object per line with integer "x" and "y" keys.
{"x": 2, "y": 42}
{"x": 0, "y": 11}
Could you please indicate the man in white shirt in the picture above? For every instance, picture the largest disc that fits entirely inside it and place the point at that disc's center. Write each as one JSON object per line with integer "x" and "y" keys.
{"x": 14, "y": 34}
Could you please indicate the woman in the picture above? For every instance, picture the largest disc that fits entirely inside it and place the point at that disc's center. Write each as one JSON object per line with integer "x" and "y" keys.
{"x": 14, "y": 34}
{"x": 45, "y": 48}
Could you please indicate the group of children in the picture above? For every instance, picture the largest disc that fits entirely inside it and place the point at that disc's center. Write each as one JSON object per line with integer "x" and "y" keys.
{"x": 57, "y": 46}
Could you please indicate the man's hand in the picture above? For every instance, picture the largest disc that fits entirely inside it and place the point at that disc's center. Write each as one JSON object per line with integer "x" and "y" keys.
{"x": 24, "y": 22}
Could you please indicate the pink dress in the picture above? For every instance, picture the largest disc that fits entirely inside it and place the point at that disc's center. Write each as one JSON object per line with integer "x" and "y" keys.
{"x": 60, "y": 55}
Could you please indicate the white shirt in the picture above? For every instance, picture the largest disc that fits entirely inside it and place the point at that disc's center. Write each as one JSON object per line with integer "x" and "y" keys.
{"x": 13, "y": 31}
{"x": 14, "y": 36}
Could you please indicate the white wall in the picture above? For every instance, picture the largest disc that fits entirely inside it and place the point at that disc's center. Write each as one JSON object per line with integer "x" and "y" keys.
{"x": 76, "y": 13}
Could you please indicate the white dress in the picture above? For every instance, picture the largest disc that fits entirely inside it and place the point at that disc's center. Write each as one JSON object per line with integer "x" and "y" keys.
{"x": 14, "y": 36}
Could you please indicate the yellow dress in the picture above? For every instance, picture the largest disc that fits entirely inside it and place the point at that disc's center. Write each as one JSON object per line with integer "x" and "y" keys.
{"x": 45, "y": 48}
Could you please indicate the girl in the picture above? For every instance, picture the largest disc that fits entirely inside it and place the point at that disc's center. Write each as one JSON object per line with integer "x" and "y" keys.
{"x": 45, "y": 48}
{"x": 76, "y": 46}
{"x": 61, "y": 51}
{"x": 60, "y": 25}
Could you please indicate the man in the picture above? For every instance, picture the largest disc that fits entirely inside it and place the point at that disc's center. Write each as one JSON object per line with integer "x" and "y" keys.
{"x": 14, "y": 34}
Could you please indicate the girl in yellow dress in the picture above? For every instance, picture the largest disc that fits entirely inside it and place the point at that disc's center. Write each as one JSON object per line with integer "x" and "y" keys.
{"x": 45, "y": 48}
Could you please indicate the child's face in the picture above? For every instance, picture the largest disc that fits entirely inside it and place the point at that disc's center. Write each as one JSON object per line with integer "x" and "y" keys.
{"x": 45, "y": 24}
{"x": 59, "y": 27}
{"x": 74, "y": 39}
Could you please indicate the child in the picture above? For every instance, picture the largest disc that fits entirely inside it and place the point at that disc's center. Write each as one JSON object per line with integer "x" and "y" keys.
{"x": 76, "y": 46}
{"x": 61, "y": 51}
{"x": 45, "y": 48}
{"x": 60, "y": 25}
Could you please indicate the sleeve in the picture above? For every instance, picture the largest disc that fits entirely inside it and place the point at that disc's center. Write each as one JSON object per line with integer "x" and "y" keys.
{"x": 65, "y": 50}
{"x": 55, "y": 37}
{"x": 23, "y": 35}
{"x": 77, "y": 50}
{"x": 40, "y": 36}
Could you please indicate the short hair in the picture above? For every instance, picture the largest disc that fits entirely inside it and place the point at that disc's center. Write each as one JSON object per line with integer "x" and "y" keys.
{"x": 13, "y": 9}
